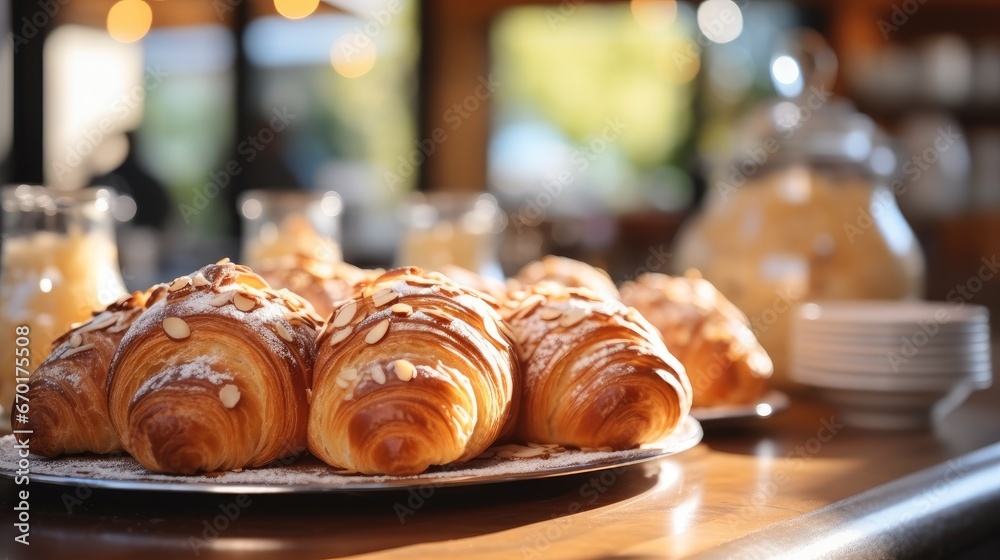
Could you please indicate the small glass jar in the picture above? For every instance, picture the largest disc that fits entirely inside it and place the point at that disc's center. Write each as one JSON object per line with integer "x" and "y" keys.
{"x": 458, "y": 229}
{"x": 279, "y": 224}
{"x": 804, "y": 209}
{"x": 59, "y": 264}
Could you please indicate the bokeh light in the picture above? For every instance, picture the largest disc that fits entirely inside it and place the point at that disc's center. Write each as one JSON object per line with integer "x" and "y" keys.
{"x": 129, "y": 20}
{"x": 654, "y": 15}
{"x": 353, "y": 55}
{"x": 296, "y": 9}
{"x": 720, "y": 20}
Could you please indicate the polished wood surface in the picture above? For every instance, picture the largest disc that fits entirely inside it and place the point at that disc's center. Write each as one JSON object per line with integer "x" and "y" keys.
{"x": 736, "y": 481}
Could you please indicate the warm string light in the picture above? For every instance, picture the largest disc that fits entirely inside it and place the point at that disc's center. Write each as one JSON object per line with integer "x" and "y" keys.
{"x": 296, "y": 9}
{"x": 353, "y": 55}
{"x": 129, "y": 20}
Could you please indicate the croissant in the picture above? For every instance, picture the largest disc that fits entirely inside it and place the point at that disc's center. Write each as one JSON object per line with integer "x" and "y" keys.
{"x": 69, "y": 399}
{"x": 413, "y": 371}
{"x": 215, "y": 375}
{"x": 710, "y": 336}
{"x": 596, "y": 374}
{"x": 492, "y": 287}
{"x": 321, "y": 283}
{"x": 569, "y": 273}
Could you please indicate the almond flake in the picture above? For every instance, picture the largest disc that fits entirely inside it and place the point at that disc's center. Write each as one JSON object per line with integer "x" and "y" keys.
{"x": 401, "y": 309}
{"x": 343, "y": 383}
{"x": 77, "y": 350}
{"x": 244, "y": 303}
{"x": 222, "y": 299}
{"x": 550, "y": 313}
{"x": 345, "y": 313}
{"x": 377, "y": 332}
{"x": 283, "y": 332}
{"x": 573, "y": 316}
{"x": 349, "y": 374}
{"x": 383, "y": 297}
{"x": 176, "y": 328}
{"x": 340, "y": 335}
{"x": 377, "y": 374}
{"x": 200, "y": 280}
{"x": 75, "y": 340}
{"x": 224, "y": 260}
{"x": 404, "y": 370}
{"x": 180, "y": 284}
{"x": 229, "y": 395}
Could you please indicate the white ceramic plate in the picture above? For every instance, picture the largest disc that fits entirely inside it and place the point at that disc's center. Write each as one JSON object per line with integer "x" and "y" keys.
{"x": 307, "y": 474}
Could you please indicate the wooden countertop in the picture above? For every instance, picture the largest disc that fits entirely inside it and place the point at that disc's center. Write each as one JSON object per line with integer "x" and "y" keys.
{"x": 775, "y": 475}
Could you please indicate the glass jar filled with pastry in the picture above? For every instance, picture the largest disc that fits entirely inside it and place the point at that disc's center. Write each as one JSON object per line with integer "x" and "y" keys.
{"x": 804, "y": 208}
{"x": 280, "y": 224}
{"x": 59, "y": 263}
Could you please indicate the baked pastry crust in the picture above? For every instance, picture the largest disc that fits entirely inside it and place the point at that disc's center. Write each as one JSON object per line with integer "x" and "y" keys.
{"x": 710, "y": 336}
{"x": 414, "y": 370}
{"x": 569, "y": 273}
{"x": 68, "y": 391}
{"x": 215, "y": 375}
{"x": 596, "y": 374}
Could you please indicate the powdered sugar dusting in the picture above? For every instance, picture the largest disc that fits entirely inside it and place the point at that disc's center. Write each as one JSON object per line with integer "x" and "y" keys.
{"x": 199, "y": 368}
{"x": 307, "y": 474}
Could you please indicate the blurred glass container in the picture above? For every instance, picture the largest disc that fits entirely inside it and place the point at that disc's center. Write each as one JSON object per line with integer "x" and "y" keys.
{"x": 59, "y": 264}
{"x": 452, "y": 229}
{"x": 804, "y": 209}
{"x": 279, "y": 224}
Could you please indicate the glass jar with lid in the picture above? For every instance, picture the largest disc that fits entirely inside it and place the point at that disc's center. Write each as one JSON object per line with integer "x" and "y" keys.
{"x": 59, "y": 264}
{"x": 804, "y": 209}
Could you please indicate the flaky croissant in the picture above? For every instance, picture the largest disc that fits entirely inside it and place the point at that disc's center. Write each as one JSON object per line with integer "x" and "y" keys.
{"x": 413, "y": 371}
{"x": 707, "y": 333}
{"x": 569, "y": 273}
{"x": 596, "y": 374}
{"x": 321, "y": 283}
{"x": 68, "y": 392}
{"x": 215, "y": 375}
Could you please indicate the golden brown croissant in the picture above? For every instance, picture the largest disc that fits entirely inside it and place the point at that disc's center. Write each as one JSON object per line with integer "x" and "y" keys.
{"x": 321, "y": 283}
{"x": 69, "y": 398}
{"x": 569, "y": 273}
{"x": 707, "y": 333}
{"x": 215, "y": 375}
{"x": 596, "y": 374}
{"x": 492, "y": 287}
{"x": 413, "y": 371}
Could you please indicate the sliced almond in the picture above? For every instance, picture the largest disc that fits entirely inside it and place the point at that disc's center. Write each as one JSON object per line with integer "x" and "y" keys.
{"x": 345, "y": 313}
{"x": 77, "y": 350}
{"x": 377, "y": 374}
{"x": 244, "y": 303}
{"x": 573, "y": 316}
{"x": 75, "y": 340}
{"x": 340, "y": 335}
{"x": 176, "y": 328}
{"x": 200, "y": 280}
{"x": 383, "y": 297}
{"x": 180, "y": 284}
{"x": 401, "y": 309}
{"x": 377, "y": 332}
{"x": 229, "y": 395}
{"x": 404, "y": 370}
{"x": 349, "y": 374}
{"x": 343, "y": 383}
{"x": 283, "y": 332}
{"x": 223, "y": 260}
{"x": 550, "y": 313}
{"x": 251, "y": 280}
{"x": 222, "y": 299}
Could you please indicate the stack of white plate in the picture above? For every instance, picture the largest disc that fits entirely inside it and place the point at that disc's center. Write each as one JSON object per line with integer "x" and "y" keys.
{"x": 892, "y": 365}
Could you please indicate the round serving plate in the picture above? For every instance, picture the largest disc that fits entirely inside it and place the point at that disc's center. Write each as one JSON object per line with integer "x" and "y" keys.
{"x": 772, "y": 402}
{"x": 307, "y": 474}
